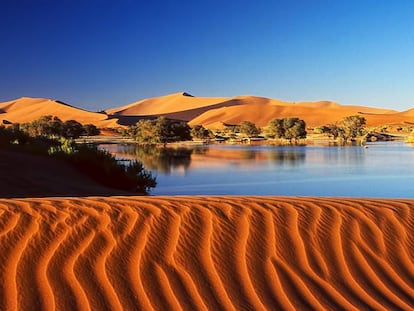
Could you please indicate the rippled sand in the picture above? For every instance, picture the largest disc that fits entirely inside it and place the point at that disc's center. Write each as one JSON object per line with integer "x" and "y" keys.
{"x": 206, "y": 253}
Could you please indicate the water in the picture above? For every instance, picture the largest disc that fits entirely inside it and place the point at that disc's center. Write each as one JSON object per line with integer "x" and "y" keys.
{"x": 384, "y": 170}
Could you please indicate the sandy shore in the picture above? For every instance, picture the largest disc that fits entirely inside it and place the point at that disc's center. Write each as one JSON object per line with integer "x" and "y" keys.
{"x": 206, "y": 253}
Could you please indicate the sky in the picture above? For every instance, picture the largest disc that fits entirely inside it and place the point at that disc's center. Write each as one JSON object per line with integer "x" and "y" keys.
{"x": 97, "y": 54}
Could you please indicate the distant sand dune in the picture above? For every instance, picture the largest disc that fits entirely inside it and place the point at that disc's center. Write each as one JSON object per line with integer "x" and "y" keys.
{"x": 206, "y": 253}
{"x": 211, "y": 112}
{"x": 26, "y": 109}
{"x": 214, "y": 112}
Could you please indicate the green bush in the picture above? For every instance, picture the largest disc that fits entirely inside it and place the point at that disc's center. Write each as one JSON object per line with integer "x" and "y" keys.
{"x": 97, "y": 164}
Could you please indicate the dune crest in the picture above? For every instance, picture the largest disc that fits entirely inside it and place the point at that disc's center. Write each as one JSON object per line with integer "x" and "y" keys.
{"x": 206, "y": 253}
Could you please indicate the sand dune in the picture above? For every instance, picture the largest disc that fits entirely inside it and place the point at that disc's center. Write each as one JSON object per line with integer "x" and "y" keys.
{"x": 184, "y": 105}
{"x": 212, "y": 112}
{"x": 206, "y": 253}
{"x": 315, "y": 114}
{"x": 27, "y": 109}
{"x": 215, "y": 112}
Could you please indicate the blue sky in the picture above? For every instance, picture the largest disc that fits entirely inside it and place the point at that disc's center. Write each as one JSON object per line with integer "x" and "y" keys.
{"x": 97, "y": 54}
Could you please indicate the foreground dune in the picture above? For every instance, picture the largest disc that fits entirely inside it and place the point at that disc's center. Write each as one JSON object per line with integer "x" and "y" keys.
{"x": 206, "y": 253}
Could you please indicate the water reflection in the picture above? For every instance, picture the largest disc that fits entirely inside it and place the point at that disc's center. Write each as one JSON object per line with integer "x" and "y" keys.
{"x": 381, "y": 170}
{"x": 162, "y": 160}
{"x": 168, "y": 160}
{"x": 288, "y": 156}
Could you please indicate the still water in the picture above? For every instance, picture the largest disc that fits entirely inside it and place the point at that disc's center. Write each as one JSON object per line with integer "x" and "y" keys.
{"x": 383, "y": 170}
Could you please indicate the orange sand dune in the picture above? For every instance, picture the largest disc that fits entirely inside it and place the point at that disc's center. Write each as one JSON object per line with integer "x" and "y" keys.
{"x": 27, "y": 109}
{"x": 211, "y": 112}
{"x": 215, "y": 112}
{"x": 315, "y": 114}
{"x": 180, "y": 106}
{"x": 206, "y": 253}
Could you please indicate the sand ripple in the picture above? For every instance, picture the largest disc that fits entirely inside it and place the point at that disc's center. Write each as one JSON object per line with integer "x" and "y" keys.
{"x": 206, "y": 253}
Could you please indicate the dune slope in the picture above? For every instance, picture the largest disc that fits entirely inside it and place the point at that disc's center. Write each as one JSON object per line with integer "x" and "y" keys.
{"x": 26, "y": 109}
{"x": 206, "y": 253}
{"x": 214, "y": 112}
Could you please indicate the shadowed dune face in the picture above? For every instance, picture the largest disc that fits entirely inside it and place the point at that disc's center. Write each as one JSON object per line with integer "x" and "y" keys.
{"x": 206, "y": 253}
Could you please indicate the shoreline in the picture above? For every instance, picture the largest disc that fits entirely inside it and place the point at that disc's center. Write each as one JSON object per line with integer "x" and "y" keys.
{"x": 312, "y": 140}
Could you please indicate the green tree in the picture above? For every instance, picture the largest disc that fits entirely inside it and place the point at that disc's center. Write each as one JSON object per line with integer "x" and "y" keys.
{"x": 90, "y": 130}
{"x": 275, "y": 128}
{"x": 161, "y": 130}
{"x": 145, "y": 132}
{"x": 294, "y": 129}
{"x": 248, "y": 129}
{"x": 287, "y": 128}
{"x": 199, "y": 132}
{"x": 72, "y": 129}
{"x": 333, "y": 130}
{"x": 353, "y": 126}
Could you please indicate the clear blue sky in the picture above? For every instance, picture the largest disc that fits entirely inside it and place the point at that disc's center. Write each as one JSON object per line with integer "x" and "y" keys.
{"x": 97, "y": 54}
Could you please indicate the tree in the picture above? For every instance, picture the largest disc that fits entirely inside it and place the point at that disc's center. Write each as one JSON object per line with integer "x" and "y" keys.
{"x": 72, "y": 129}
{"x": 333, "y": 130}
{"x": 178, "y": 131}
{"x": 275, "y": 128}
{"x": 145, "y": 132}
{"x": 44, "y": 126}
{"x": 90, "y": 130}
{"x": 353, "y": 126}
{"x": 199, "y": 132}
{"x": 161, "y": 130}
{"x": 248, "y": 129}
{"x": 287, "y": 128}
{"x": 294, "y": 129}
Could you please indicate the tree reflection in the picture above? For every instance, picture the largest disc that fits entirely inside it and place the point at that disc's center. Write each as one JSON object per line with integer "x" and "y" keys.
{"x": 287, "y": 156}
{"x": 163, "y": 160}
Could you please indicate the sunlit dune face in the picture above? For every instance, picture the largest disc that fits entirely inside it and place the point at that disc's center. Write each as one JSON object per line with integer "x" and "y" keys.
{"x": 210, "y": 253}
{"x": 29, "y": 109}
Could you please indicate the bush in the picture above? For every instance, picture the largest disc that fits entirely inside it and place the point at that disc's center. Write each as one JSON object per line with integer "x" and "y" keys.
{"x": 104, "y": 168}
{"x": 97, "y": 164}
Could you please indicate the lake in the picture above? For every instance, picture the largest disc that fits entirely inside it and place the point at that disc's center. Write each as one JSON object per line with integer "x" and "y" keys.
{"x": 383, "y": 169}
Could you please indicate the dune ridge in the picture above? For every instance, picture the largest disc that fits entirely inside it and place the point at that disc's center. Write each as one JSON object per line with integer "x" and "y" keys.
{"x": 206, "y": 253}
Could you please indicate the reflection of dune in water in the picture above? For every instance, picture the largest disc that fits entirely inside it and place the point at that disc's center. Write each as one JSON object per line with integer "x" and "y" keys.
{"x": 206, "y": 253}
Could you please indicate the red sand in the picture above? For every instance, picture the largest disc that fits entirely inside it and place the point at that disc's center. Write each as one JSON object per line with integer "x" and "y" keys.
{"x": 206, "y": 253}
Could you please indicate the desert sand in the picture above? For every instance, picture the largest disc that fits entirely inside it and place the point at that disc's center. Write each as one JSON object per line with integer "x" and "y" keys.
{"x": 215, "y": 112}
{"x": 206, "y": 253}
{"x": 211, "y": 112}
